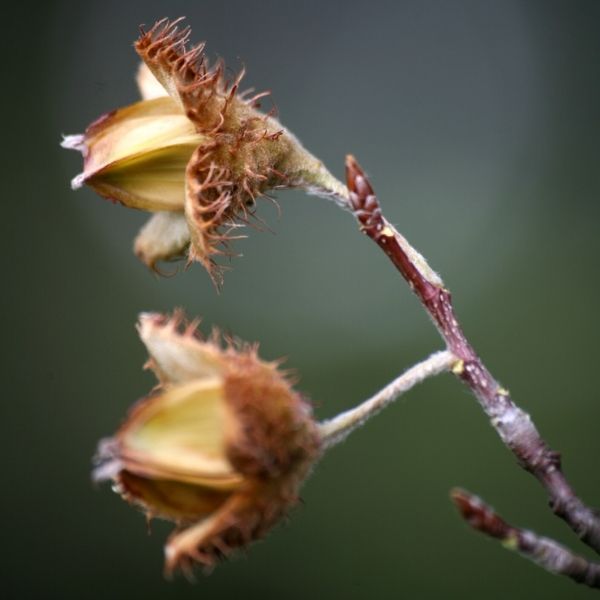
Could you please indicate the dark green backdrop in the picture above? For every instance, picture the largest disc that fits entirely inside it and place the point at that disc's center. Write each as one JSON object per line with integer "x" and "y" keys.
{"x": 478, "y": 122}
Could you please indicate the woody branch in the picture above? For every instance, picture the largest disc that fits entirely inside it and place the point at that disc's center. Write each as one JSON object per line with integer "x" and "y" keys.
{"x": 513, "y": 425}
{"x": 544, "y": 552}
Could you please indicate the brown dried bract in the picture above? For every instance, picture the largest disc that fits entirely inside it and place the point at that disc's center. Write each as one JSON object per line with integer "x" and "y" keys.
{"x": 238, "y": 164}
{"x": 195, "y": 151}
{"x": 221, "y": 448}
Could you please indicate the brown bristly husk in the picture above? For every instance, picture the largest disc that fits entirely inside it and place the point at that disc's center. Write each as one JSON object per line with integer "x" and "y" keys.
{"x": 240, "y": 161}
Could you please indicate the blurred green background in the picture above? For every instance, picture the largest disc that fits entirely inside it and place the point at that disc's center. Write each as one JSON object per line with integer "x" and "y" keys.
{"x": 478, "y": 123}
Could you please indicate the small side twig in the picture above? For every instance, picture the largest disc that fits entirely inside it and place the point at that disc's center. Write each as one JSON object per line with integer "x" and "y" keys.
{"x": 335, "y": 430}
{"x": 514, "y": 426}
{"x": 545, "y": 552}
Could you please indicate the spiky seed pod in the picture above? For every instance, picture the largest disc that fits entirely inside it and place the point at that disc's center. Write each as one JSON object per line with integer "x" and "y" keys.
{"x": 194, "y": 147}
{"x": 221, "y": 448}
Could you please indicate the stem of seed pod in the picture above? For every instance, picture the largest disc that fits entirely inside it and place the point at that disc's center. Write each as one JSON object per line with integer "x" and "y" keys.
{"x": 335, "y": 430}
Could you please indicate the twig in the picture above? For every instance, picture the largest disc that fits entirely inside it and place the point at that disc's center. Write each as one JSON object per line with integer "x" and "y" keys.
{"x": 544, "y": 552}
{"x": 335, "y": 430}
{"x": 514, "y": 426}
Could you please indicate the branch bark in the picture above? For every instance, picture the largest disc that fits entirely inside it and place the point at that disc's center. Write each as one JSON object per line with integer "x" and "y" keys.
{"x": 545, "y": 552}
{"x": 513, "y": 425}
